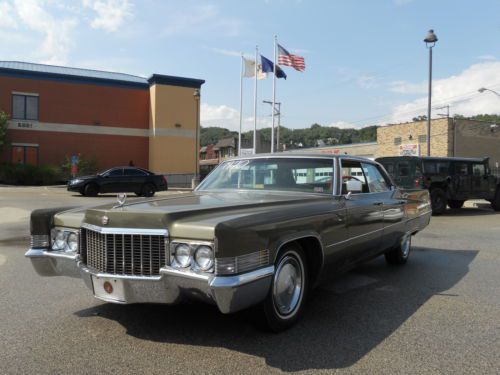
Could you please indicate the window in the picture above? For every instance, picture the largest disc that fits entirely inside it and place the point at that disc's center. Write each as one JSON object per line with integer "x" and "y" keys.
{"x": 294, "y": 174}
{"x": 134, "y": 172}
{"x": 389, "y": 167}
{"x": 376, "y": 181}
{"x": 478, "y": 169}
{"x": 24, "y": 107}
{"x": 397, "y": 141}
{"x": 436, "y": 167}
{"x": 461, "y": 169}
{"x": 422, "y": 138}
{"x": 403, "y": 169}
{"x": 114, "y": 172}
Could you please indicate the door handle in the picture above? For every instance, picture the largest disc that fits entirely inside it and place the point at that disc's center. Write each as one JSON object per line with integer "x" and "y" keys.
{"x": 378, "y": 203}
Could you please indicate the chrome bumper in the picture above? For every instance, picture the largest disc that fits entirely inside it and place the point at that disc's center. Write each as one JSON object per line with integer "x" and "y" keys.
{"x": 229, "y": 293}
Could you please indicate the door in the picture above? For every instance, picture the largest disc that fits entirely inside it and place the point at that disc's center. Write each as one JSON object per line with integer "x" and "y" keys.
{"x": 461, "y": 180}
{"x": 17, "y": 155}
{"x": 480, "y": 181}
{"x": 25, "y": 155}
{"x": 363, "y": 211}
{"x": 31, "y": 155}
{"x": 133, "y": 179}
{"x": 111, "y": 181}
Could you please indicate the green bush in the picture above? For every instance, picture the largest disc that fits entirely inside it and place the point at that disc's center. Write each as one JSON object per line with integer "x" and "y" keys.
{"x": 25, "y": 174}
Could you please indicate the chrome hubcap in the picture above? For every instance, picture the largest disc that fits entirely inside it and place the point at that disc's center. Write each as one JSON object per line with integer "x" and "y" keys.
{"x": 405, "y": 245}
{"x": 288, "y": 280}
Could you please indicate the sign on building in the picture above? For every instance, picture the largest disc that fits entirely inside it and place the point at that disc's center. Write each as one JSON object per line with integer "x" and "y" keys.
{"x": 409, "y": 150}
{"x": 246, "y": 151}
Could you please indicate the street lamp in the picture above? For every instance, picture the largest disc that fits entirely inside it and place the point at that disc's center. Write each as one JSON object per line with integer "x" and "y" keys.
{"x": 196, "y": 179}
{"x": 483, "y": 89}
{"x": 430, "y": 42}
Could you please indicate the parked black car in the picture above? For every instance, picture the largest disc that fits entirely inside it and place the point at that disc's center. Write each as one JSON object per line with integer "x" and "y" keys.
{"x": 120, "y": 180}
{"x": 451, "y": 181}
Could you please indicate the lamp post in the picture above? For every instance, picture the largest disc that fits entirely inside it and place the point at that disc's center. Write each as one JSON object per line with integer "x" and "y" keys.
{"x": 483, "y": 89}
{"x": 430, "y": 42}
{"x": 196, "y": 178}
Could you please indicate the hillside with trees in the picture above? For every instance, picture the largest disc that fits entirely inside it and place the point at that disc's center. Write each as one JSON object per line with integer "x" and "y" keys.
{"x": 315, "y": 135}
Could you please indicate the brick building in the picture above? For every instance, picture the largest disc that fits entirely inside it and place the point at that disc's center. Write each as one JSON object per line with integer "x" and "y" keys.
{"x": 113, "y": 117}
{"x": 449, "y": 137}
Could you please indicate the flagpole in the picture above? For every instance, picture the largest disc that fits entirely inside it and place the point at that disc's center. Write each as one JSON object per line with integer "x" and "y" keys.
{"x": 274, "y": 95}
{"x": 255, "y": 103}
{"x": 241, "y": 102}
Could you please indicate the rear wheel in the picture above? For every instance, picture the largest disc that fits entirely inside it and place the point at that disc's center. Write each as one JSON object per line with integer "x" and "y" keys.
{"x": 495, "y": 203}
{"x": 91, "y": 190}
{"x": 455, "y": 204}
{"x": 286, "y": 299}
{"x": 400, "y": 254}
{"x": 148, "y": 190}
{"x": 438, "y": 201}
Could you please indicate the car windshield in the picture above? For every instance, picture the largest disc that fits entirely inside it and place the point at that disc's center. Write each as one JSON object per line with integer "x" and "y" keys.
{"x": 289, "y": 174}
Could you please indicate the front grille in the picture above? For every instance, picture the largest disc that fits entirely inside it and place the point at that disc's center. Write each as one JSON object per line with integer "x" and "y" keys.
{"x": 124, "y": 254}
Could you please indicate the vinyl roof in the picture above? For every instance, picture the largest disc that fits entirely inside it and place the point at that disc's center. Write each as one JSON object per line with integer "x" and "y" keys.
{"x": 42, "y": 71}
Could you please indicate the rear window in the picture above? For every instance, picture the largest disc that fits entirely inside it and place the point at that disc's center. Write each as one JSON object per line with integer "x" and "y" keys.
{"x": 403, "y": 169}
{"x": 389, "y": 167}
{"x": 436, "y": 167}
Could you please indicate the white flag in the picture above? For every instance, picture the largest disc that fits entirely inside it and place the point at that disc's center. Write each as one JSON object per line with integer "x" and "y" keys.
{"x": 249, "y": 69}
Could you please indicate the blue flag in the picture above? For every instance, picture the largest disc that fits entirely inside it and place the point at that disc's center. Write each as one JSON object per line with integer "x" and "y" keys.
{"x": 268, "y": 66}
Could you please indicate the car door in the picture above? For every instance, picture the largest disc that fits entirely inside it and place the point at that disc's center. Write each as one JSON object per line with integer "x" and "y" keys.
{"x": 111, "y": 181}
{"x": 363, "y": 212}
{"x": 461, "y": 180}
{"x": 133, "y": 179}
{"x": 480, "y": 181}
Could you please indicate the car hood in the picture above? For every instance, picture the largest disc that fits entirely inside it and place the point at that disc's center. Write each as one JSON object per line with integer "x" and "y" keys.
{"x": 193, "y": 215}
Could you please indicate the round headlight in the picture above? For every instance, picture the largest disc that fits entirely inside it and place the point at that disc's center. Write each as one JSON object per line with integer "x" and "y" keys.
{"x": 59, "y": 240}
{"x": 204, "y": 257}
{"x": 183, "y": 255}
{"x": 72, "y": 242}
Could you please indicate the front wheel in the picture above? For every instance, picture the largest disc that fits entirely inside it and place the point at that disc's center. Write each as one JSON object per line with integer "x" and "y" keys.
{"x": 438, "y": 201}
{"x": 400, "y": 254}
{"x": 91, "y": 190}
{"x": 286, "y": 299}
{"x": 495, "y": 203}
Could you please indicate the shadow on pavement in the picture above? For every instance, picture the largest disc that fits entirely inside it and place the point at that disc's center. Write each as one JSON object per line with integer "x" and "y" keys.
{"x": 339, "y": 327}
{"x": 481, "y": 210}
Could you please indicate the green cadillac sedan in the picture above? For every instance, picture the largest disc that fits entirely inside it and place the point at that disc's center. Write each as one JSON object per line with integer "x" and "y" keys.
{"x": 260, "y": 230}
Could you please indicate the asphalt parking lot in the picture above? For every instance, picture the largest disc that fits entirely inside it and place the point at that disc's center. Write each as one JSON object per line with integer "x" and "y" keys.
{"x": 438, "y": 314}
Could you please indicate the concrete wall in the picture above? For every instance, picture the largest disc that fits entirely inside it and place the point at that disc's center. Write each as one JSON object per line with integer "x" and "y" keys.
{"x": 441, "y": 142}
{"x": 477, "y": 139}
{"x": 173, "y": 125}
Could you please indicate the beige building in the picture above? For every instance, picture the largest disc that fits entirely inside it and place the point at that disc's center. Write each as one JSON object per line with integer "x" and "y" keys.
{"x": 449, "y": 137}
{"x": 367, "y": 150}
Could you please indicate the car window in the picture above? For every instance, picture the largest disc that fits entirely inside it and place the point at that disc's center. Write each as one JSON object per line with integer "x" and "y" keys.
{"x": 436, "y": 167}
{"x": 461, "y": 169}
{"x": 353, "y": 178}
{"x": 478, "y": 169}
{"x": 134, "y": 172}
{"x": 294, "y": 174}
{"x": 389, "y": 167}
{"x": 403, "y": 169}
{"x": 376, "y": 181}
{"x": 115, "y": 172}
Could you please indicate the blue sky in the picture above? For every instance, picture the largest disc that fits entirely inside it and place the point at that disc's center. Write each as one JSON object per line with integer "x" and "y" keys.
{"x": 366, "y": 62}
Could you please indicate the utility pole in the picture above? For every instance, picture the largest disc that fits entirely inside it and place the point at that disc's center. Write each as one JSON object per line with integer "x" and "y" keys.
{"x": 430, "y": 42}
{"x": 276, "y": 112}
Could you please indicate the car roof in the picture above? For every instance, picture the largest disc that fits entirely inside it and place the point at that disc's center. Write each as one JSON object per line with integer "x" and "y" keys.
{"x": 432, "y": 158}
{"x": 299, "y": 155}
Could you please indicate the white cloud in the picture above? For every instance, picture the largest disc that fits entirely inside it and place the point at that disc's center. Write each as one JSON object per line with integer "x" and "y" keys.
{"x": 7, "y": 17}
{"x": 367, "y": 81}
{"x": 229, "y": 118}
{"x": 487, "y": 57}
{"x": 225, "y": 52}
{"x": 199, "y": 19}
{"x": 110, "y": 14}
{"x": 405, "y": 87}
{"x": 460, "y": 92}
{"x": 56, "y": 32}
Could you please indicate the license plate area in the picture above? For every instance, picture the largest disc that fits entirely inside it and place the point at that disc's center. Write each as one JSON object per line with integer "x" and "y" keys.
{"x": 109, "y": 289}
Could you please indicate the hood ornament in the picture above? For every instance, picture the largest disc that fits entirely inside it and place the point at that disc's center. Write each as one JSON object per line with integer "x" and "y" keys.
{"x": 121, "y": 198}
{"x": 104, "y": 220}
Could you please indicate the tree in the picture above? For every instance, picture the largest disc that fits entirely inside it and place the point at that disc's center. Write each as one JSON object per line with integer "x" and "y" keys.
{"x": 420, "y": 118}
{"x": 3, "y": 129}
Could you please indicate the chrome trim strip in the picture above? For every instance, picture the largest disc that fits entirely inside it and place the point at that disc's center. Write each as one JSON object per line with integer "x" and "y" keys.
{"x": 183, "y": 273}
{"x": 39, "y": 253}
{"x": 244, "y": 278}
{"x": 103, "y": 230}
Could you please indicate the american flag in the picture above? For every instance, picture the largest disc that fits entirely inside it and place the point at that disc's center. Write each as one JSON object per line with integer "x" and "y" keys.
{"x": 287, "y": 59}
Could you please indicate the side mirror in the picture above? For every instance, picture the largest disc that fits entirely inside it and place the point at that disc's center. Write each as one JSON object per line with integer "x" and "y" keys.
{"x": 354, "y": 186}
